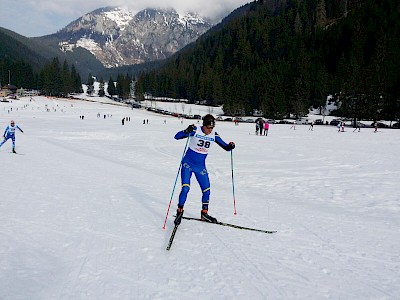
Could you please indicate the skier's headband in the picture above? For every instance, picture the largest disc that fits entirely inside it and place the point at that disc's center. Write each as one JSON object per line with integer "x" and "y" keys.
{"x": 209, "y": 123}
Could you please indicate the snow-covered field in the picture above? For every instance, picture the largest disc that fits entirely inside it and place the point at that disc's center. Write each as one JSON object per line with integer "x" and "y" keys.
{"x": 83, "y": 204}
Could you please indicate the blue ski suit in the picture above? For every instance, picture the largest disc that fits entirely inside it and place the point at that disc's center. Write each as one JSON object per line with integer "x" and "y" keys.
{"x": 194, "y": 162}
{"x": 9, "y": 133}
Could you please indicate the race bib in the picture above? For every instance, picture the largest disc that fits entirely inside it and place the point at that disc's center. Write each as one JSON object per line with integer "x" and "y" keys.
{"x": 201, "y": 142}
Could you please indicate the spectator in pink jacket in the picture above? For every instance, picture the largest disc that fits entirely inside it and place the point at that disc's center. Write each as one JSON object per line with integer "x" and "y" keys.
{"x": 266, "y": 127}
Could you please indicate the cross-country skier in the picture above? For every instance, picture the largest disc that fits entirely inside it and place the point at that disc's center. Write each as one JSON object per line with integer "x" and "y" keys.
{"x": 9, "y": 133}
{"x": 201, "y": 138}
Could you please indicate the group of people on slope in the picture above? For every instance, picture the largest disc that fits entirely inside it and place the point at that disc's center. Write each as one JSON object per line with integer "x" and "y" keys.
{"x": 262, "y": 126}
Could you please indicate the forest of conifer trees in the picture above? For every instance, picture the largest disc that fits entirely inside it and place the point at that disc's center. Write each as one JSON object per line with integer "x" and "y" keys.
{"x": 285, "y": 61}
{"x": 53, "y": 80}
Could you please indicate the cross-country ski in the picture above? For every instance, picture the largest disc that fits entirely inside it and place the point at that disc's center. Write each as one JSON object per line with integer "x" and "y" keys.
{"x": 230, "y": 225}
{"x": 171, "y": 239}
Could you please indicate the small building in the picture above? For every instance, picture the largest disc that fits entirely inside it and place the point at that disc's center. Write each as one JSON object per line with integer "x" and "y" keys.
{"x": 4, "y": 93}
{"x": 12, "y": 88}
{"x": 27, "y": 93}
{"x": 7, "y": 90}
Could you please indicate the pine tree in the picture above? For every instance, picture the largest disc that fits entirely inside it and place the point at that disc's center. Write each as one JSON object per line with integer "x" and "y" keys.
{"x": 111, "y": 87}
{"x": 90, "y": 85}
{"x": 76, "y": 81}
{"x": 101, "y": 92}
{"x": 66, "y": 79}
{"x": 321, "y": 14}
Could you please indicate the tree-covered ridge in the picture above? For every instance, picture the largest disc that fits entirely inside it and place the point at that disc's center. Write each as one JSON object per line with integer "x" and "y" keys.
{"x": 286, "y": 59}
{"x": 53, "y": 80}
{"x": 59, "y": 80}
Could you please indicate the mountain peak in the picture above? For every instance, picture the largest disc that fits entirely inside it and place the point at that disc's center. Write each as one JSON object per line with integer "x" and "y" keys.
{"x": 117, "y": 36}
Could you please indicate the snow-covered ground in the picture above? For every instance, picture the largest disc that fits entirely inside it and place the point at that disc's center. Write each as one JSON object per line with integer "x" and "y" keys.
{"x": 83, "y": 204}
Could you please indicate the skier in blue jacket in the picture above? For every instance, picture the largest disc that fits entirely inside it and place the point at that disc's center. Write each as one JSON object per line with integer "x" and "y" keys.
{"x": 201, "y": 138}
{"x": 9, "y": 133}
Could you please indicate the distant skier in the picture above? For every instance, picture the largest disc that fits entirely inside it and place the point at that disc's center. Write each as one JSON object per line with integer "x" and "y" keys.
{"x": 201, "y": 139}
{"x": 357, "y": 126}
{"x": 294, "y": 125}
{"x": 9, "y": 133}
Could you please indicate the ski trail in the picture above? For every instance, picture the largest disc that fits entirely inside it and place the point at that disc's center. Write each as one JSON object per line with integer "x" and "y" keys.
{"x": 250, "y": 273}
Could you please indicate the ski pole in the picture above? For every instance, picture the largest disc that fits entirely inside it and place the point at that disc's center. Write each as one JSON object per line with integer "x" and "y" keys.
{"x": 233, "y": 185}
{"x": 176, "y": 179}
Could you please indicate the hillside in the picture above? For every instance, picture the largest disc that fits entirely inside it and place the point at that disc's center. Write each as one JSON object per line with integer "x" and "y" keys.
{"x": 15, "y": 47}
{"x": 286, "y": 60}
{"x": 37, "y": 52}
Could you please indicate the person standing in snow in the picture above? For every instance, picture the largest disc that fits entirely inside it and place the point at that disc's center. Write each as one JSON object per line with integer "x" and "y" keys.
{"x": 261, "y": 125}
{"x": 9, "y": 133}
{"x": 294, "y": 125}
{"x": 266, "y": 128}
{"x": 357, "y": 126}
{"x": 342, "y": 126}
{"x": 257, "y": 127}
{"x": 201, "y": 139}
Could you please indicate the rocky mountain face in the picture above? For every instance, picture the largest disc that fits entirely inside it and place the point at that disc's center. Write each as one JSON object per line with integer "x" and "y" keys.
{"x": 119, "y": 37}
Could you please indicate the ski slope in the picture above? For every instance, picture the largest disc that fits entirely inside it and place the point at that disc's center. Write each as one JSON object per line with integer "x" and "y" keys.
{"x": 83, "y": 204}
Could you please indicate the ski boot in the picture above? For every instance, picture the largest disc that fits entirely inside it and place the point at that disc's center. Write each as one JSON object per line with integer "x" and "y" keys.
{"x": 179, "y": 214}
{"x": 13, "y": 150}
{"x": 206, "y": 217}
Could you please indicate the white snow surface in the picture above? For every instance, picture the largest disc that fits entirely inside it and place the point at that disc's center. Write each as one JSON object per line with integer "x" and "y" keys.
{"x": 89, "y": 44}
{"x": 120, "y": 16}
{"x": 83, "y": 205}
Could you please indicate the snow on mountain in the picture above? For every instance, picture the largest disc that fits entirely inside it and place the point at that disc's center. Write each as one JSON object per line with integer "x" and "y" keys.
{"x": 121, "y": 37}
{"x": 88, "y": 44}
{"x": 120, "y": 16}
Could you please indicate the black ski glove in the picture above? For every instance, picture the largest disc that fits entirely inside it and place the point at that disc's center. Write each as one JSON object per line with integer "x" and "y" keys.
{"x": 189, "y": 129}
{"x": 232, "y": 145}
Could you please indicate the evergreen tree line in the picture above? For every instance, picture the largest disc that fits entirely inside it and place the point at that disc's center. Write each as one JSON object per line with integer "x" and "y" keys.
{"x": 285, "y": 61}
{"x": 17, "y": 73}
{"x": 53, "y": 79}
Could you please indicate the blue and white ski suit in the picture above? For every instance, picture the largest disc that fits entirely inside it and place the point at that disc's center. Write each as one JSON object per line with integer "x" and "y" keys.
{"x": 9, "y": 133}
{"x": 194, "y": 162}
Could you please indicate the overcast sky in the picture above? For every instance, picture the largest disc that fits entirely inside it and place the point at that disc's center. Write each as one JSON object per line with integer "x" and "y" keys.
{"x": 41, "y": 17}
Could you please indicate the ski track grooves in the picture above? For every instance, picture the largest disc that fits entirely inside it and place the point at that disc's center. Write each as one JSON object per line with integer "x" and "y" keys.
{"x": 356, "y": 268}
{"x": 245, "y": 262}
